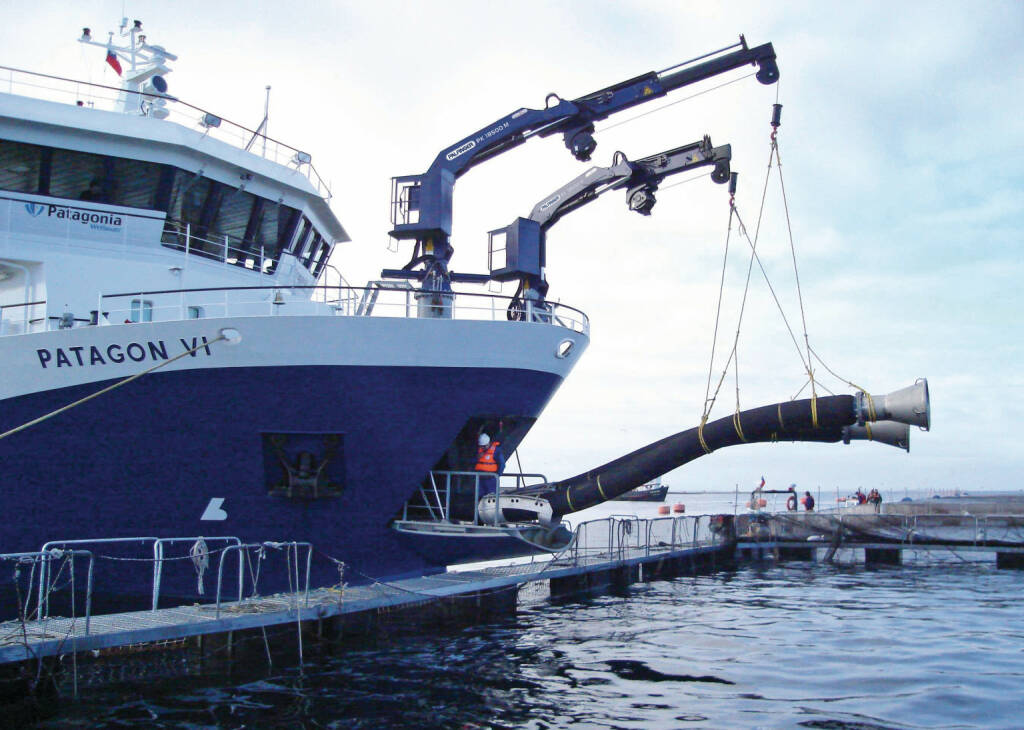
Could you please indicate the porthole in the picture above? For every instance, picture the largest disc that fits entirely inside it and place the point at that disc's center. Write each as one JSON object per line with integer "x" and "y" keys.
{"x": 565, "y": 347}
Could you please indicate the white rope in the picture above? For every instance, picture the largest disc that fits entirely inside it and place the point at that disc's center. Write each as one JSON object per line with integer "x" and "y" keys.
{"x": 678, "y": 101}
{"x": 200, "y": 555}
{"x": 109, "y": 388}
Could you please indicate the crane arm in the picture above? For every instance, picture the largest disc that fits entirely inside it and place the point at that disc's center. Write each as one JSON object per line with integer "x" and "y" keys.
{"x": 422, "y": 204}
{"x": 523, "y": 243}
{"x": 640, "y": 177}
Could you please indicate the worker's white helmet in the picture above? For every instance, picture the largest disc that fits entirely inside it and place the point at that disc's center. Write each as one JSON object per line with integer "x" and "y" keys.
{"x": 484, "y": 440}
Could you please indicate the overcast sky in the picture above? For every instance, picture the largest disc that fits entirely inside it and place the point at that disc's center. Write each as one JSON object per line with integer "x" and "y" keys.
{"x": 902, "y": 146}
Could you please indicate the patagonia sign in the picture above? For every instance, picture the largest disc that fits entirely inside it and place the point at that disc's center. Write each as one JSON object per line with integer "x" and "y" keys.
{"x": 43, "y": 215}
{"x": 96, "y": 220}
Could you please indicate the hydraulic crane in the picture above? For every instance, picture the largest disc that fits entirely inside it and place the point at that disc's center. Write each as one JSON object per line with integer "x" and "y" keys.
{"x": 518, "y": 251}
{"x": 421, "y": 205}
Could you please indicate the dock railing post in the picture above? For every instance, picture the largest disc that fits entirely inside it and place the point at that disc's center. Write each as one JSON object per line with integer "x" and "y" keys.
{"x": 220, "y": 572}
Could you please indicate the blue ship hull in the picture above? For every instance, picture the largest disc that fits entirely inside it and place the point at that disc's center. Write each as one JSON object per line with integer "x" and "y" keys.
{"x": 148, "y": 458}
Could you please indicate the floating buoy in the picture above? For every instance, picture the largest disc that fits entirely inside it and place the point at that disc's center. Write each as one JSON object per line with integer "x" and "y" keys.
{"x": 663, "y": 509}
{"x": 679, "y": 508}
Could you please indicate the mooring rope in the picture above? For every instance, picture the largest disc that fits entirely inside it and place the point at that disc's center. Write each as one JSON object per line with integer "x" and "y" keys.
{"x": 109, "y": 388}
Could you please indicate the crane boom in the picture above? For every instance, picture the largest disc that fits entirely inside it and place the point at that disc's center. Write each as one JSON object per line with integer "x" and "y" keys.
{"x": 518, "y": 251}
{"x": 422, "y": 204}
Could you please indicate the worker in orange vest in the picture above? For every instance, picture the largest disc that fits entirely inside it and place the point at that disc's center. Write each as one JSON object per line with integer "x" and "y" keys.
{"x": 489, "y": 458}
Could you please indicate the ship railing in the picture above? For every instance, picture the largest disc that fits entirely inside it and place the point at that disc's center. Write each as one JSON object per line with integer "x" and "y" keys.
{"x": 254, "y": 301}
{"x": 224, "y": 248}
{"x": 36, "y": 564}
{"x": 161, "y": 106}
{"x": 22, "y": 318}
{"x": 444, "y": 497}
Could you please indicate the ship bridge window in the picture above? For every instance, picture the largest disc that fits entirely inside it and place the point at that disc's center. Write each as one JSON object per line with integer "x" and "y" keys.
{"x": 224, "y": 222}
{"x": 188, "y": 198}
{"x": 233, "y": 214}
{"x": 303, "y": 237}
{"x": 76, "y": 175}
{"x": 82, "y": 176}
{"x": 137, "y": 183}
{"x": 270, "y": 228}
{"x": 312, "y": 249}
{"x": 19, "y": 166}
{"x": 321, "y": 258}
{"x": 229, "y": 224}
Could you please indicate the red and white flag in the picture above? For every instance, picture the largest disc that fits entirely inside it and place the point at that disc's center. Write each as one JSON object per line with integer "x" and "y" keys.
{"x": 114, "y": 63}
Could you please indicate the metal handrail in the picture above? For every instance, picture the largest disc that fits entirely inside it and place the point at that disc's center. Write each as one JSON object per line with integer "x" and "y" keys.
{"x": 20, "y": 304}
{"x": 259, "y": 545}
{"x": 158, "y": 558}
{"x": 44, "y": 558}
{"x": 230, "y": 132}
{"x": 221, "y": 247}
{"x": 86, "y": 541}
{"x": 570, "y": 318}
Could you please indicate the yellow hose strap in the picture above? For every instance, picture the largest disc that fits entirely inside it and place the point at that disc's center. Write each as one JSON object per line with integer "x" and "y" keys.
{"x": 782, "y": 424}
{"x": 867, "y": 427}
{"x": 814, "y": 411}
{"x": 568, "y": 499}
{"x": 700, "y": 435}
{"x": 872, "y": 413}
{"x": 739, "y": 428}
{"x": 599, "y": 490}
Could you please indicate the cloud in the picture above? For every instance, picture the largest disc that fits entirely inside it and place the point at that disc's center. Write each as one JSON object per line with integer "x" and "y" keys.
{"x": 901, "y": 157}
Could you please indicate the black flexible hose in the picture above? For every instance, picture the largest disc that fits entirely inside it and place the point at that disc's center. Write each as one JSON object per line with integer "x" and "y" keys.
{"x": 789, "y": 421}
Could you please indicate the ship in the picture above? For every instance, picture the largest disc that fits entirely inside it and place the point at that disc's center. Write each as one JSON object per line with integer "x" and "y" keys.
{"x": 651, "y": 492}
{"x": 184, "y": 366}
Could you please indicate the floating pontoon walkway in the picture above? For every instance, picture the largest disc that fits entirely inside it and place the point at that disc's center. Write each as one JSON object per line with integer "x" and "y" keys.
{"x": 884, "y": 536}
{"x": 607, "y": 553}
{"x": 631, "y": 548}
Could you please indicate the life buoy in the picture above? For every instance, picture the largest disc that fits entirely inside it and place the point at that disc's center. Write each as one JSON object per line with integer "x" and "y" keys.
{"x": 791, "y": 503}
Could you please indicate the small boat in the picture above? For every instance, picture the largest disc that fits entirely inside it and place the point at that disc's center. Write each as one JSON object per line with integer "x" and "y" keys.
{"x": 651, "y": 492}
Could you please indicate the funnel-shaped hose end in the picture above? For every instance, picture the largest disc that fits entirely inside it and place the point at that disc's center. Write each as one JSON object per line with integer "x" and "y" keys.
{"x": 892, "y": 433}
{"x": 910, "y": 405}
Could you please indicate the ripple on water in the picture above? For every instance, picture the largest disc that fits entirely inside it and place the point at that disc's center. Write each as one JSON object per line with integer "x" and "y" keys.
{"x": 795, "y": 645}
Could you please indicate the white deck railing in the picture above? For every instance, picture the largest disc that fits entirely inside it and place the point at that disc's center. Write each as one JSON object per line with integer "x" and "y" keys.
{"x": 108, "y": 98}
{"x": 380, "y": 299}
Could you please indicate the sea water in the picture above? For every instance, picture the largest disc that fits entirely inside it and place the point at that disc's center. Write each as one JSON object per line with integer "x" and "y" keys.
{"x": 937, "y": 642}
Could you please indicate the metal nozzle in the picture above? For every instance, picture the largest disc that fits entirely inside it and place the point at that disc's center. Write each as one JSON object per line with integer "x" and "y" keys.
{"x": 909, "y": 405}
{"x": 892, "y": 433}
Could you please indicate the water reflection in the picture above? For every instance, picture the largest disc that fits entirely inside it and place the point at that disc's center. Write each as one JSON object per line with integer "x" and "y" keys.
{"x": 794, "y": 645}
